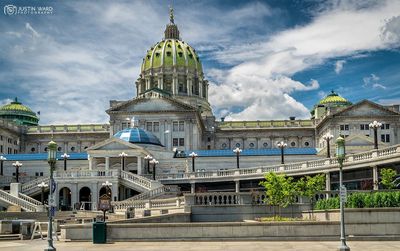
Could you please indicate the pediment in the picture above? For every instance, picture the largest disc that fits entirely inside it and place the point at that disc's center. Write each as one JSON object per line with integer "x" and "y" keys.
{"x": 152, "y": 104}
{"x": 366, "y": 108}
{"x": 114, "y": 144}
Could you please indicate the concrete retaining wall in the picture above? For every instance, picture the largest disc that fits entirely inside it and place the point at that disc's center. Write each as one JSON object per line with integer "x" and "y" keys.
{"x": 357, "y": 215}
{"x": 234, "y": 213}
{"x": 167, "y": 218}
{"x": 230, "y": 231}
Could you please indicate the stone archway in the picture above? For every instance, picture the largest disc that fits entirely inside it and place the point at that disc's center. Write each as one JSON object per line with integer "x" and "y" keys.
{"x": 64, "y": 201}
{"x": 85, "y": 198}
{"x": 105, "y": 190}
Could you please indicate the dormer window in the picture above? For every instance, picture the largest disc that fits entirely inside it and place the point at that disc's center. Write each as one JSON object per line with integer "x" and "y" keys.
{"x": 168, "y": 53}
{"x": 148, "y": 56}
{"x": 169, "y": 45}
{"x": 180, "y": 54}
{"x": 157, "y": 54}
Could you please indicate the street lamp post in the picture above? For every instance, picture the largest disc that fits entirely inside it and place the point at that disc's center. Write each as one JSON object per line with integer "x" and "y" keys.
{"x": 282, "y": 145}
{"x": 65, "y": 156}
{"x": 237, "y": 150}
{"x": 341, "y": 153}
{"x": 17, "y": 165}
{"x": 51, "y": 158}
{"x": 148, "y": 158}
{"x": 327, "y": 138}
{"x": 154, "y": 162}
{"x": 193, "y": 155}
{"x": 375, "y": 125}
{"x": 2, "y": 159}
{"x": 123, "y": 156}
{"x": 42, "y": 187}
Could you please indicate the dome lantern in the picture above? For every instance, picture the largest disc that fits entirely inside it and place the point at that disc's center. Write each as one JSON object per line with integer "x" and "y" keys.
{"x": 19, "y": 113}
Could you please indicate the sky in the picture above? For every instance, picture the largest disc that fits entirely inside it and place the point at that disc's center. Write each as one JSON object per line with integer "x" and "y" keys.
{"x": 263, "y": 59}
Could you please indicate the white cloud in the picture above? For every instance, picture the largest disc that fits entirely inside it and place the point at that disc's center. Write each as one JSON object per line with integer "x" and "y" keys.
{"x": 372, "y": 81}
{"x": 339, "y": 66}
{"x": 342, "y": 30}
{"x": 34, "y": 32}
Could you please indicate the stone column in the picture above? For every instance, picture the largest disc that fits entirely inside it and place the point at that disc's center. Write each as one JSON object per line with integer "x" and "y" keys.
{"x": 139, "y": 165}
{"x": 174, "y": 84}
{"x": 375, "y": 177}
{"x": 192, "y": 187}
{"x": 327, "y": 183}
{"x": 201, "y": 88}
{"x": 107, "y": 165}
{"x": 90, "y": 163}
{"x": 74, "y": 194}
{"x": 237, "y": 186}
{"x": 189, "y": 86}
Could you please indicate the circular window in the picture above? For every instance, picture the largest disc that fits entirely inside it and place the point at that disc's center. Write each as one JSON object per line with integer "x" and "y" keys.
{"x": 265, "y": 145}
{"x": 237, "y": 145}
{"x": 59, "y": 149}
{"x": 45, "y": 149}
{"x": 251, "y": 145}
{"x": 73, "y": 148}
{"x": 33, "y": 149}
{"x": 306, "y": 143}
{"x": 223, "y": 145}
{"x": 85, "y": 147}
{"x": 293, "y": 144}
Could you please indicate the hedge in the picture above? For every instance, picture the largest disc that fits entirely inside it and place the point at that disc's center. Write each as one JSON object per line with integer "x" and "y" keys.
{"x": 362, "y": 200}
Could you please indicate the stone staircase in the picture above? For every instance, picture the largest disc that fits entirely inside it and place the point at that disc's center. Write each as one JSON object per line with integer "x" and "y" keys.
{"x": 25, "y": 202}
{"x": 31, "y": 188}
{"x": 138, "y": 183}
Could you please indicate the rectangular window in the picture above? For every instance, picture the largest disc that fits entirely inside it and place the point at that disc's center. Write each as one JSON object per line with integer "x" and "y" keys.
{"x": 385, "y": 138}
{"x": 41, "y": 173}
{"x": 341, "y": 127}
{"x": 175, "y": 141}
{"x": 149, "y": 126}
{"x": 36, "y": 174}
{"x": 181, "y": 126}
{"x": 156, "y": 127}
{"x": 387, "y": 126}
{"x": 1, "y": 137}
{"x": 346, "y": 127}
{"x": 175, "y": 126}
{"x": 181, "y": 142}
{"x": 362, "y": 127}
{"x": 1, "y": 148}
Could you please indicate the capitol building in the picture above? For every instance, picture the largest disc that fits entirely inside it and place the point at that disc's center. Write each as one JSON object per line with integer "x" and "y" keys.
{"x": 169, "y": 129}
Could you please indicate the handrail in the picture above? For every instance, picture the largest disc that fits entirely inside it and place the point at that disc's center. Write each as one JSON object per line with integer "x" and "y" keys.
{"x": 30, "y": 199}
{"x": 138, "y": 180}
{"x": 153, "y": 203}
{"x": 26, "y": 205}
{"x": 87, "y": 173}
{"x": 355, "y": 158}
{"x": 33, "y": 184}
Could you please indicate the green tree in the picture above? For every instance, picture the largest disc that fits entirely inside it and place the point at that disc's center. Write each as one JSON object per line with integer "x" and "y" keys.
{"x": 387, "y": 177}
{"x": 308, "y": 186}
{"x": 279, "y": 190}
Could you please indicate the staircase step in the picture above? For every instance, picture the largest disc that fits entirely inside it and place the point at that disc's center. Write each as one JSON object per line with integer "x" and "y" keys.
{"x": 7, "y": 237}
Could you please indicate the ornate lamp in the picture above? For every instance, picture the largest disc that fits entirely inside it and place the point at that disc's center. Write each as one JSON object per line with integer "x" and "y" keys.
{"x": 375, "y": 125}
{"x": 237, "y": 151}
{"x": 51, "y": 159}
{"x": 42, "y": 187}
{"x": 193, "y": 155}
{"x": 17, "y": 165}
{"x": 148, "y": 158}
{"x": 282, "y": 145}
{"x": 65, "y": 156}
{"x": 154, "y": 162}
{"x": 123, "y": 156}
{"x": 2, "y": 159}
{"x": 327, "y": 137}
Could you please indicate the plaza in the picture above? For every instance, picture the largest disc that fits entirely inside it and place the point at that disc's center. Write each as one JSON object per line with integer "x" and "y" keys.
{"x": 165, "y": 173}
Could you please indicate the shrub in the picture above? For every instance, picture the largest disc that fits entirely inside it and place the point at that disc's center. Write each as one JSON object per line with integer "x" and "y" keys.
{"x": 362, "y": 200}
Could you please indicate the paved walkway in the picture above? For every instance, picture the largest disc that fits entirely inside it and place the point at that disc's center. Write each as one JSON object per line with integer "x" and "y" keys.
{"x": 201, "y": 246}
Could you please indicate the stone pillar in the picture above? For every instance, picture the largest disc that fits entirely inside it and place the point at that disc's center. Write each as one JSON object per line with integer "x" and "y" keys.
{"x": 189, "y": 86}
{"x": 15, "y": 189}
{"x": 107, "y": 165}
{"x": 139, "y": 165}
{"x": 201, "y": 88}
{"x": 74, "y": 195}
{"x": 192, "y": 187}
{"x": 90, "y": 163}
{"x": 237, "y": 186}
{"x": 174, "y": 84}
{"x": 327, "y": 183}
{"x": 375, "y": 177}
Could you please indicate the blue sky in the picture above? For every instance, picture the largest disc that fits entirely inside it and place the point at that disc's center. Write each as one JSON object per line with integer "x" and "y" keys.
{"x": 264, "y": 59}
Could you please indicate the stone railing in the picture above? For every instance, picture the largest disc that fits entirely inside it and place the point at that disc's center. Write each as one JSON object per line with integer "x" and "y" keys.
{"x": 6, "y": 180}
{"x": 32, "y": 185}
{"x": 149, "y": 204}
{"x": 86, "y": 174}
{"x": 291, "y": 168}
{"x": 137, "y": 179}
{"x": 10, "y": 199}
{"x": 29, "y": 199}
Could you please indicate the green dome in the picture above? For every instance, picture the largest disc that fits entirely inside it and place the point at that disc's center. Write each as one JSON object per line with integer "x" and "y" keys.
{"x": 334, "y": 99}
{"x": 171, "y": 53}
{"x": 19, "y": 113}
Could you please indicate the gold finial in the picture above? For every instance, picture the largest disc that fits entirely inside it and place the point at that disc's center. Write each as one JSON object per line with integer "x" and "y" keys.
{"x": 171, "y": 14}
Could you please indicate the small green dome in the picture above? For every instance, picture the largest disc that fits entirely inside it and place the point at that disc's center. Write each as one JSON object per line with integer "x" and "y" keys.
{"x": 334, "y": 99}
{"x": 171, "y": 53}
{"x": 19, "y": 113}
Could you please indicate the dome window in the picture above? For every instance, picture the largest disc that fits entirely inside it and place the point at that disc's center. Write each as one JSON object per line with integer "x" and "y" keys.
{"x": 180, "y": 54}
{"x": 33, "y": 149}
{"x": 159, "y": 46}
{"x": 169, "y": 45}
{"x": 168, "y": 53}
{"x": 293, "y": 144}
{"x": 73, "y": 149}
{"x": 148, "y": 56}
{"x": 197, "y": 58}
{"x": 191, "y": 55}
{"x": 157, "y": 54}
{"x": 179, "y": 46}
